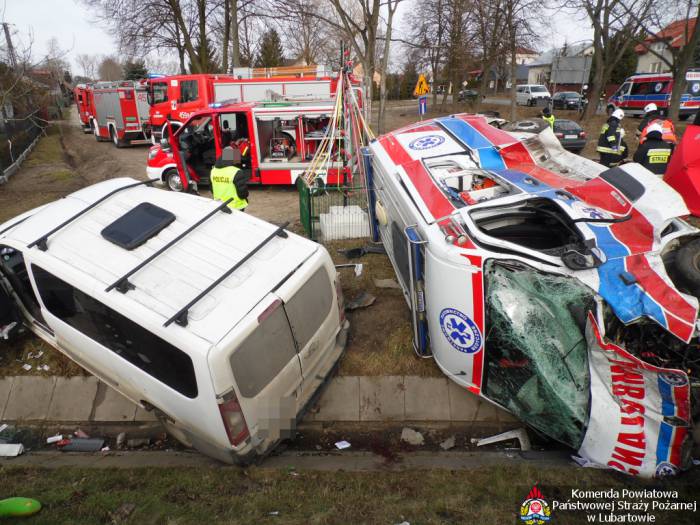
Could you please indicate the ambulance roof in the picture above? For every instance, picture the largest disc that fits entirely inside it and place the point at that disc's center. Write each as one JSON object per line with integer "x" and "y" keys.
{"x": 79, "y": 254}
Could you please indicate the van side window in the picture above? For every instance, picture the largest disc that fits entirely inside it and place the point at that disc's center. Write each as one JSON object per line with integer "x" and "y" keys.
{"x": 310, "y": 306}
{"x": 188, "y": 91}
{"x": 263, "y": 354}
{"x": 112, "y": 330}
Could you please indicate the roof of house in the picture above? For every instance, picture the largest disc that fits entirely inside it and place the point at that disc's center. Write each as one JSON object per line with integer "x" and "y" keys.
{"x": 570, "y": 51}
{"x": 674, "y": 34}
{"x": 522, "y": 50}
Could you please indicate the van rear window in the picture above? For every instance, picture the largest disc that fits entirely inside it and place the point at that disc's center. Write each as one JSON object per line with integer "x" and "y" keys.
{"x": 264, "y": 354}
{"x": 117, "y": 333}
{"x": 310, "y": 306}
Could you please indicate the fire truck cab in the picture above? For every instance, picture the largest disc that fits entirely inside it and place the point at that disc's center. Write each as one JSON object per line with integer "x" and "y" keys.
{"x": 84, "y": 106}
{"x": 277, "y": 142}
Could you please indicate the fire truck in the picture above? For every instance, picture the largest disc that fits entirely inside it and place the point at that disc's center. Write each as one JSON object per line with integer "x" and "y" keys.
{"x": 120, "y": 112}
{"x": 173, "y": 99}
{"x": 277, "y": 141}
{"x": 83, "y": 103}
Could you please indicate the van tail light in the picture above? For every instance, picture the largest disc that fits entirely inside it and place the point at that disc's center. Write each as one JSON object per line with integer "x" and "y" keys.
{"x": 341, "y": 299}
{"x": 582, "y": 135}
{"x": 559, "y": 135}
{"x": 232, "y": 416}
{"x": 267, "y": 312}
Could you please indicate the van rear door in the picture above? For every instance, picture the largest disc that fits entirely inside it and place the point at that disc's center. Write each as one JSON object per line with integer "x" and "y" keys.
{"x": 266, "y": 370}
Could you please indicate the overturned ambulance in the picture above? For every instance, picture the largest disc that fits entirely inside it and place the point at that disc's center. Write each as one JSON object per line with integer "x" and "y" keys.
{"x": 562, "y": 291}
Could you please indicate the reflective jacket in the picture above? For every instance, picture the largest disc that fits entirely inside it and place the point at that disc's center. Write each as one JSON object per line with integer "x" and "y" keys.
{"x": 668, "y": 133}
{"x": 226, "y": 183}
{"x": 610, "y": 139}
{"x": 550, "y": 120}
{"x": 654, "y": 155}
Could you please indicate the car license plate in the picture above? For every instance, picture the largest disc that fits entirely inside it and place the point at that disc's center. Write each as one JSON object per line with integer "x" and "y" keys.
{"x": 570, "y": 136}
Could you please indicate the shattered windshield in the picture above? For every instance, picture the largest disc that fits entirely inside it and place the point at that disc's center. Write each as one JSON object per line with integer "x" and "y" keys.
{"x": 536, "y": 353}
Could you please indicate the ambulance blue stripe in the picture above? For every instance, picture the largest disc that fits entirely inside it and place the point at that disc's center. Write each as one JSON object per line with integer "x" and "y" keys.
{"x": 489, "y": 157}
{"x": 663, "y": 446}
{"x": 668, "y": 406}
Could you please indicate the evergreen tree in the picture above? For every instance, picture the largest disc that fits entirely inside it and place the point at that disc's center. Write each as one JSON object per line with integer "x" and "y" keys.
{"x": 135, "y": 69}
{"x": 271, "y": 52}
{"x": 206, "y": 57}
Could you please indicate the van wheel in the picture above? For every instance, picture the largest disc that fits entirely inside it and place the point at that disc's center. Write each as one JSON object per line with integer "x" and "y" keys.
{"x": 173, "y": 180}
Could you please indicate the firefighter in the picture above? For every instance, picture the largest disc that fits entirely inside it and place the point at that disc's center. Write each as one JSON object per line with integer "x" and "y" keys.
{"x": 655, "y": 153}
{"x": 227, "y": 180}
{"x": 652, "y": 115}
{"x": 611, "y": 143}
{"x": 548, "y": 117}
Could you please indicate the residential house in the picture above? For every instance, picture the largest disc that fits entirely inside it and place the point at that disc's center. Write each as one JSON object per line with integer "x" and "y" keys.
{"x": 562, "y": 69}
{"x": 664, "y": 43}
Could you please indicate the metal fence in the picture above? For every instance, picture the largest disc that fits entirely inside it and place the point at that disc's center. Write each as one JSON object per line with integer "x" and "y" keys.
{"x": 17, "y": 138}
{"x": 330, "y": 212}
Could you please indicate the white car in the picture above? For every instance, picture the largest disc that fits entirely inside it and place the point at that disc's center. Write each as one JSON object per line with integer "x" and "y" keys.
{"x": 531, "y": 94}
{"x": 223, "y": 325}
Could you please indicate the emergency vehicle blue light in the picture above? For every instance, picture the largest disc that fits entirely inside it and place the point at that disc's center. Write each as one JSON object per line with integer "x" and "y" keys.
{"x": 215, "y": 105}
{"x": 156, "y": 75}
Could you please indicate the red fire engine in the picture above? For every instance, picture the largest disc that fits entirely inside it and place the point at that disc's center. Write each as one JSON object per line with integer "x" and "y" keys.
{"x": 120, "y": 112}
{"x": 174, "y": 99}
{"x": 277, "y": 142}
{"x": 82, "y": 102}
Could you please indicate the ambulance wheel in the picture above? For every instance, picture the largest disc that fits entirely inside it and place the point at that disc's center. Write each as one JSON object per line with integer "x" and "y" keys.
{"x": 115, "y": 138}
{"x": 173, "y": 180}
{"x": 687, "y": 266}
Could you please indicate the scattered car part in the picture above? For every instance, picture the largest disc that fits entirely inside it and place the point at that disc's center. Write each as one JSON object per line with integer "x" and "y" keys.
{"x": 520, "y": 434}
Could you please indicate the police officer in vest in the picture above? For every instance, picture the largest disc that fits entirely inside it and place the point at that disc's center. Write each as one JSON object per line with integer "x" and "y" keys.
{"x": 655, "y": 153}
{"x": 611, "y": 143}
{"x": 227, "y": 180}
{"x": 548, "y": 117}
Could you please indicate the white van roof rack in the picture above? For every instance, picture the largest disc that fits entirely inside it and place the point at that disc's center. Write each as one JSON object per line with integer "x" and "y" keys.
{"x": 123, "y": 285}
{"x": 181, "y": 316}
{"x": 41, "y": 241}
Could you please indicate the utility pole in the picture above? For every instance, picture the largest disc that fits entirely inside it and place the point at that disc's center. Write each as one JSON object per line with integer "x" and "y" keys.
{"x": 10, "y": 48}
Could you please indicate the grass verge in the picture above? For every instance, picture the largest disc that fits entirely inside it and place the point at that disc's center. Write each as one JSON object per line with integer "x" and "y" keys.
{"x": 490, "y": 495}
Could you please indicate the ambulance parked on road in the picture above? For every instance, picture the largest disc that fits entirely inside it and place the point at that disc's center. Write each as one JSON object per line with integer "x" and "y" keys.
{"x": 120, "y": 112}
{"x": 639, "y": 90}
{"x": 277, "y": 142}
{"x": 223, "y": 325}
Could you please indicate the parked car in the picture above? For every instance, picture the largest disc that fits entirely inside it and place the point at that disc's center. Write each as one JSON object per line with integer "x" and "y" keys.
{"x": 560, "y": 290}
{"x": 532, "y": 95}
{"x": 571, "y": 136}
{"x": 568, "y": 100}
{"x": 223, "y": 325}
{"x": 467, "y": 95}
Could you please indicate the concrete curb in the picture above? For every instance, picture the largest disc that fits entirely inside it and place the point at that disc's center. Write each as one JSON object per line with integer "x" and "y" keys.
{"x": 345, "y": 399}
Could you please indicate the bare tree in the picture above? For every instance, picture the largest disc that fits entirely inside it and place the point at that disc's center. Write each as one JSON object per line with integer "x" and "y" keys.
{"x": 609, "y": 17}
{"x": 109, "y": 69}
{"x": 383, "y": 63}
{"x": 676, "y": 59}
{"x": 489, "y": 28}
{"x": 518, "y": 29}
{"x": 88, "y": 64}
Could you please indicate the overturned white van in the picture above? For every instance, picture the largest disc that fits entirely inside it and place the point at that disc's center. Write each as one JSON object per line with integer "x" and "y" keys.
{"x": 223, "y": 325}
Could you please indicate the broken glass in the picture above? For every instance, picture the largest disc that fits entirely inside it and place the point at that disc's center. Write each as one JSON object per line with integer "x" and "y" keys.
{"x": 536, "y": 353}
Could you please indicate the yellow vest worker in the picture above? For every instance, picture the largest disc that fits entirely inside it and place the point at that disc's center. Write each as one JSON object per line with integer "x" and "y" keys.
{"x": 548, "y": 117}
{"x": 228, "y": 182}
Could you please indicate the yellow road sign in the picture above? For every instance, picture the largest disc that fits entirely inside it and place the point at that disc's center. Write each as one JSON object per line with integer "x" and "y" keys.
{"x": 422, "y": 87}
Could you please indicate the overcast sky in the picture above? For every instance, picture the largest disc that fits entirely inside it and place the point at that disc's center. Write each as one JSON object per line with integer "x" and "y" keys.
{"x": 70, "y": 22}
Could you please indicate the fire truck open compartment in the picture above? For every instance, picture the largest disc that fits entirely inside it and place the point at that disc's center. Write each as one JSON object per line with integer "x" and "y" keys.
{"x": 289, "y": 138}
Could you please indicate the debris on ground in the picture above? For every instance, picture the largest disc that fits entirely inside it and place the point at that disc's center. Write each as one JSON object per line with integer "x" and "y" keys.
{"x": 354, "y": 253}
{"x": 11, "y": 450}
{"x": 358, "y": 268}
{"x": 18, "y": 507}
{"x": 412, "y": 437}
{"x": 80, "y": 434}
{"x": 121, "y": 438}
{"x": 387, "y": 283}
{"x": 520, "y": 434}
{"x": 448, "y": 443}
{"x": 81, "y": 445}
{"x": 138, "y": 442}
{"x": 342, "y": 445}
{"x": 362, "y": 300}
{"x": 54, "y": 439}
